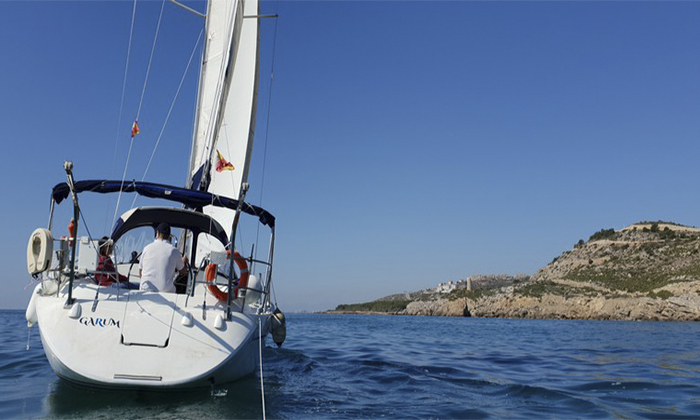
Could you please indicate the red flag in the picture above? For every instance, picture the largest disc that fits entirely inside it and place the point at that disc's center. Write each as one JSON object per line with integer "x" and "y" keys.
{"x": 135, "y": 129}
{"x": 222, "y": 164}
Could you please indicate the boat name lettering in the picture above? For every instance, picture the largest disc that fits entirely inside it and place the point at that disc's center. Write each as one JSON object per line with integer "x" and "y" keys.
{"x": 99, "y": 322}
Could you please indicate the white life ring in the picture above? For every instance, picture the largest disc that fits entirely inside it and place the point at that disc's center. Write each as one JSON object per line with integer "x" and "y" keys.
{"x": 39, "y": 251}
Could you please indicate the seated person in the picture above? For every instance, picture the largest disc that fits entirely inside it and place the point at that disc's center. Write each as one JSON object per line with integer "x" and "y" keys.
{"x": 106, "y": 274}
{"x": 160, "y": 262}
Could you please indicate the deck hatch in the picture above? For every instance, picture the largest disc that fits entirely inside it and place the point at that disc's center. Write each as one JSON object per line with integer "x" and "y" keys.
{"x": 147, "y": 319}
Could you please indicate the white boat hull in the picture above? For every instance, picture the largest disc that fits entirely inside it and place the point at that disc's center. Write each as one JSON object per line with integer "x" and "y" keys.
{"x": 135, "y": 339}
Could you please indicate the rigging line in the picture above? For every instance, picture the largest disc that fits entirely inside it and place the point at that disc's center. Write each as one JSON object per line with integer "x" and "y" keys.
{"x": 267, "y": 124}
{"x": 237, "y": 194}
{"x": 188, "y": 174}
{"x": 189, "y": 9}
{"x": 121, "y": 105}
{"x": 274, "y": 294}
{"x": 119, "y": 196}
{"x": 224, "y": 134}
{"x": 82, "y": 216}
{"x": 150, "y": 60}
{"x": 145, "y": 82}
{"x": 172, "y": 105}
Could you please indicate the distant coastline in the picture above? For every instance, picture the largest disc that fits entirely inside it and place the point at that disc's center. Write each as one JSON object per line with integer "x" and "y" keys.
{"x": 646, "y": 271}
{"x": 357, "y": 312}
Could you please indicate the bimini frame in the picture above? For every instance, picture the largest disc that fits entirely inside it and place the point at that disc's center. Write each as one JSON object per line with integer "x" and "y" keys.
{"x": 191, "y": 199}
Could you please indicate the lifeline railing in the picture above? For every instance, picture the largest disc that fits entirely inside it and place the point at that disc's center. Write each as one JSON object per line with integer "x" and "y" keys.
{"x": 264, "y": 291}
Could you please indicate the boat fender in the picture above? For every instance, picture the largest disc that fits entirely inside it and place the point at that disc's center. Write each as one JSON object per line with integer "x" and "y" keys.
{"x": 75, "y": 311}
{"x": 31, "y": 308}
{"x": 186, "y": 320}
{"x": 219, "y": 323}
{"x": 210, "y": 275}
{"x": 279, "y": 327}
{"x": 39, "y": 251}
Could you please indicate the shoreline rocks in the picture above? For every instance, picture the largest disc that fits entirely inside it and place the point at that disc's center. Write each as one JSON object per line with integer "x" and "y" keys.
{"x": 440, "y": 307}
{"x": 678, "y": 308}
{"x": 647, "y": 271}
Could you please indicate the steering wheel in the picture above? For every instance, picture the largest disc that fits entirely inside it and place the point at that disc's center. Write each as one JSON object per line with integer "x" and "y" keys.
{"x": 134, "y": 259}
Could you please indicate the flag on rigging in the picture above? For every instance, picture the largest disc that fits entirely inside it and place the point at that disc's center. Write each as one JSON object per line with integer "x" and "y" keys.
{"x": 135, "y": 129}
{"x": 222, "y": 164}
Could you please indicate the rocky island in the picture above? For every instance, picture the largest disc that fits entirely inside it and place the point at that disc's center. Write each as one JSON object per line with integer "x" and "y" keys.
{"x": 646, "y": 271}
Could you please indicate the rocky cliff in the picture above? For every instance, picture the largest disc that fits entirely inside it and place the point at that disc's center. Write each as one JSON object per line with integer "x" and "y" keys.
{"x": 647, "y": 271}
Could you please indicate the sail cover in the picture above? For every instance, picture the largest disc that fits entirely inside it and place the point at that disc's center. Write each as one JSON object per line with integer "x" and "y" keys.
{"x": 227, "y": 101}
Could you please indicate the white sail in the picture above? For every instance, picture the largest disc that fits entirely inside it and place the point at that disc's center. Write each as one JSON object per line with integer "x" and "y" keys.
{"x": 236, "y": 133}
{"x": 223, "y": 23}
{"x": 225, "y": 122}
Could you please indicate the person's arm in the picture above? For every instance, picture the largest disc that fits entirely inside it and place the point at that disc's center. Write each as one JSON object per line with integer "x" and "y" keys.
{"x": 183, "y": 261}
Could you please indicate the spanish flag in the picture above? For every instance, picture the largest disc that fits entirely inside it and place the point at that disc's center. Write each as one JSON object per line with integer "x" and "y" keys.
{"x": 222, "y": 164}
{"x": 135, "y": 129}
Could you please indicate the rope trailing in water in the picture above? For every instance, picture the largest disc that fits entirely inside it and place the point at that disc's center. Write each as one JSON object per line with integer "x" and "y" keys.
{"x": 262, "y": 384}
{"x": 138, "y": 113}
{"x": 121, "y": 105}
{"x": 172, "y": 105}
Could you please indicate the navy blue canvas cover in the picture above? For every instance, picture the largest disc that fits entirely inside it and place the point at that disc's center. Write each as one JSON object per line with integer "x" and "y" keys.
{"x": 191, "y": 198}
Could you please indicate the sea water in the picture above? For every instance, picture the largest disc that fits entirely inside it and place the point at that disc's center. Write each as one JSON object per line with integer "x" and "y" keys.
{"x": 362, "y": 366}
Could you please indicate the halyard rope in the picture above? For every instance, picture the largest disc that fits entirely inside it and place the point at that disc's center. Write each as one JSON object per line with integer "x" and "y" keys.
{"x": 172, "y": 105}
{"x": 121, "y": 106}
{"x": 150, "y": 60}
{"x": 143, "y": 91}
{"x": 267, "y": 130}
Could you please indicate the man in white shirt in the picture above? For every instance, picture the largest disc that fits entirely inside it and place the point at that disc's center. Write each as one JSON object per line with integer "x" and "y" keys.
{"x": 160, "y": 262}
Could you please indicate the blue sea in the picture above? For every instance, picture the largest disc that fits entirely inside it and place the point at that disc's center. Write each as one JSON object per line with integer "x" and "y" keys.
{"x": 362, "y": 366}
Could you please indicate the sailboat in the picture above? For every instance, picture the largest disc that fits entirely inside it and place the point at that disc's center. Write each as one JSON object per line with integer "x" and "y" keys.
{"x": 212, "y": 329}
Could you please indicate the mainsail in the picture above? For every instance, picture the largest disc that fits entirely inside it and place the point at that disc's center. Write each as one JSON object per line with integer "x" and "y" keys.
{"x": 226, "y": 107}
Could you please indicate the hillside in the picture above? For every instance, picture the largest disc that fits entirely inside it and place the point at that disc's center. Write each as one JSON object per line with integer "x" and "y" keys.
{"x": 646, "y": 271}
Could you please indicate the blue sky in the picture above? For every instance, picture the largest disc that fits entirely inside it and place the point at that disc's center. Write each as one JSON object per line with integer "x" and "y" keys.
{"x": 409, "y": 143}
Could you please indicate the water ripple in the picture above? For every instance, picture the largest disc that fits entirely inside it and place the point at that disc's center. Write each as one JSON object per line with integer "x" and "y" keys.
{"x": 345, "y": 366}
